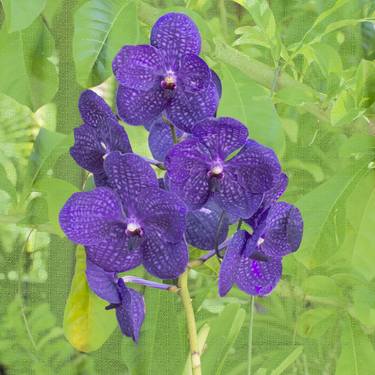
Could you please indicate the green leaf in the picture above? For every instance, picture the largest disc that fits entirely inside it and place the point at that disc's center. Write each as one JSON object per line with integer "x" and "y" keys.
{"x": 315, "y": 322}
{"x": 357, "y": 355}
{"x": 56, "y": 192}
{"x": 20, "y": 14}
{"x": 223, "y": 333}
{"x": 358, "y": 145}
{"x": 6, "y": 185}
{"x": 48, "y": 147}
{"x": 289, "y": 360}
{"x": 321, "y": 286}
{"x": 27, "y": 72}
{"x": 163, "y": 347}
{"x": 295, "y": 96}
{"x": 265, "y": 20}
{"x": 363, "y": 258}
{"x": 344, "y": 110}
{"x": 101, "y": 28}
{"x": 87, "y": 325}
{"x": 320, "y": 210}
{"x": 251, "y": 104}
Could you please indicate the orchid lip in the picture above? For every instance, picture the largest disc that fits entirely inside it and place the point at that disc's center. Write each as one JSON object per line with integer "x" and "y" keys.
{"x": 169, "y": 81}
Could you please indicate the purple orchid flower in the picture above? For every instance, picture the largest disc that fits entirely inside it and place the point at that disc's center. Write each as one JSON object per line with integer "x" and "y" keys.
{"x": 167, "y": 76}
{"x": 254, "y": 261}
{"x": 99, "y": 135}
{"x": 201, "y": 167}
{"x": 207, "y": 227}
{"x": 129, "y": 304}
{"x": 160, "y": 139}
{"x": 133, "y": 223}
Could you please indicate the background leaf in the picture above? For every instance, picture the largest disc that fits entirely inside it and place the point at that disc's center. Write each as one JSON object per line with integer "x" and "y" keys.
{"x": 19, "y": 14}
{"x": 27, "y": 72}
{"x": 101, "y": 29}
{"x": 87, "y": 325}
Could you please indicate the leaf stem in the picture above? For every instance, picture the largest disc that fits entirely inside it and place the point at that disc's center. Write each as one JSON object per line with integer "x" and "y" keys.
{"x": 191, "y": 325}
{"x": 250, "y": 342}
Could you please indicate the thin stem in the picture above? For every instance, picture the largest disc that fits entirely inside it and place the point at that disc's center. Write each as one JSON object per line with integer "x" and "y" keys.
{"x": 197, "y": 262}
{"x": 191, "y": 325}
{"x": 150, "y": 284}
{"x": 20, "y": 293}
{"x": 250, "y": 344}
{"x": 173, "y": 129}
{"x": 157, "y": 163}
{"x": 218, "y": 229}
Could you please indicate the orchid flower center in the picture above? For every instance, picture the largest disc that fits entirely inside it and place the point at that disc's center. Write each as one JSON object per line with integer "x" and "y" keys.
{"x": 169, "y": 81}
{"x": 216, "y": 170}
{"x": 260, "y": 241}
{"x": 133, "y": 229}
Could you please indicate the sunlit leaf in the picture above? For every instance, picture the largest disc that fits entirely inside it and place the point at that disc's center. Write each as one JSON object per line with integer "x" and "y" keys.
{"x": 87, "y": 325}
{"x": 101, "y": 29}
{"x": 251, "y": 104}
{"x": 223, "y": 333}
{"x": 20, "y": 14}
{"x": 162, "y": 348}
{"x": 27, "y": 73}
{"x": 357, "y": 356}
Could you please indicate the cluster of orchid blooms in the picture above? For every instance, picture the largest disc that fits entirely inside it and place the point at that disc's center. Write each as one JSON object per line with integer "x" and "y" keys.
{"x": 214, "y": 177}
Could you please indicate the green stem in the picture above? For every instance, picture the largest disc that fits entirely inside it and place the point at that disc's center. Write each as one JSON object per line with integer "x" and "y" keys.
{"x": 250, "y": 347}
{"x": 191, "y": 325}
{"x": 173, "y": 129}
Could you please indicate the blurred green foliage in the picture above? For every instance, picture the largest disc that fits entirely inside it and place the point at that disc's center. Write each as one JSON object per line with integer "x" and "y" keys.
{"x": 300, "y": 74}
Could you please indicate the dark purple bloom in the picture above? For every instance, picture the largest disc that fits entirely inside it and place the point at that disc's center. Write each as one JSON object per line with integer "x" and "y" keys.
{"x": 160, "y": 138}
{"x": 279, "y": 230}
{"x": 255, "y": 275}
{"x": 167, "y": 76}
{"x": 201, "y": 167}
{"x": 253, "y": 261}
{"x": 207, "y": 227}
{"x": 129, "y": 304}
{"x": 98, "y": 136}
{"x": 134, "y": 222}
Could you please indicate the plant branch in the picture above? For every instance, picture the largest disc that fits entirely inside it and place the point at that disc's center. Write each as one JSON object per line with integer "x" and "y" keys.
{"x": 191, "y": 325}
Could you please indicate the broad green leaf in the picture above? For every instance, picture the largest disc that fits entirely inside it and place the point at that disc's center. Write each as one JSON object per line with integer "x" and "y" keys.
{"x": 27, "y": 72}
{"x": 363, "y": 258}
{"x": 56, "y": 193}
{"x": 320, "y": 210}
{"x": 289, "y": 360}
{"x": 6, "y": 185}
{"x": 363, "y": 306}
{"x": 87, "y": 325}
{"x": 20, "y": 14}
{"x": 357, "y": 356}
{"x": 315, "y": 322}
{"x": 101, "y": 28}
{"x": 365, "y": 83}
{"x": 252, "y": 105}
{"x": 48, "y": 147}
{"x": 223, "y": 333}
{"x": 163, "y": 345}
